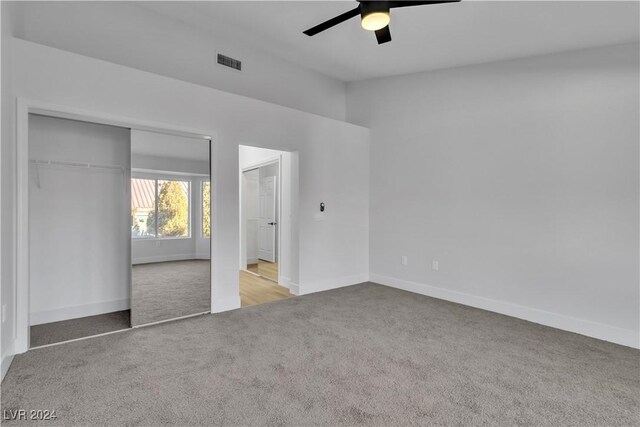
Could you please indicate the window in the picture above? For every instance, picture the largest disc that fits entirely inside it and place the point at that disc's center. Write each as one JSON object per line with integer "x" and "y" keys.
{"x": 206, "y": 208}
{"x": 143, "y": 208}
{"x": 159, "y": 208}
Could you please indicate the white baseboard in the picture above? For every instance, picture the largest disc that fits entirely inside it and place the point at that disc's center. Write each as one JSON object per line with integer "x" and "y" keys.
{"x": 294, "y": 289}
{"x": 225, "y": 304}
{"x": 163, "y": 258}
{"x": 325, "y": 285}
{"x": 286, "y": 282}
{"x": 6, "y": 362}
{"x": 75, "y": 312}
{"x": 626, "y": 337}
{"x": 252, "y": 260}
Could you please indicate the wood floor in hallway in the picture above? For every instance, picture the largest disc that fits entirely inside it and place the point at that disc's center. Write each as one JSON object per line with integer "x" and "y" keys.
{"x": 258, "y": 290}
{"x": 266, "y": 269}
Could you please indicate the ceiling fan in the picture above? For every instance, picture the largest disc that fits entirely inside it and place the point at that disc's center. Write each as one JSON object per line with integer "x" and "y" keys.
{"x": 374, "y": 16}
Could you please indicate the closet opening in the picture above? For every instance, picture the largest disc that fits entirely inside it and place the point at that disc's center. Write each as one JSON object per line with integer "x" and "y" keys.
{"x": 78, "y": 230}
{"x": 114, "y": 229}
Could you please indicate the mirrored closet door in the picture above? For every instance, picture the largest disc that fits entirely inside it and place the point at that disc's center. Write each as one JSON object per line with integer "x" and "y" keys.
{"x": 170, "y": 227}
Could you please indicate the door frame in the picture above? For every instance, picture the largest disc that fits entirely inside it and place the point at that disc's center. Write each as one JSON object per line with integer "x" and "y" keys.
{"x": 24, "y": 107}
{"x": 279, "y": 218}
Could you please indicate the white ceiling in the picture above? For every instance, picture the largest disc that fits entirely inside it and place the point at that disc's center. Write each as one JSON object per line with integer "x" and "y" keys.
{"x": 424, "y": 37}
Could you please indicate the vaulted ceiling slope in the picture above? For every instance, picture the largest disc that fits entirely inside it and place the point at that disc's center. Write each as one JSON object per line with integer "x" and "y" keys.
{"x": 424, "y": 38}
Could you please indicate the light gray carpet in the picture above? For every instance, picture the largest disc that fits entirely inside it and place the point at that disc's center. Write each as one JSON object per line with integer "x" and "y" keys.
{"x": 166, "y": 290}
{"x": 65, "y": 330}
{"x": 365, "y": 354}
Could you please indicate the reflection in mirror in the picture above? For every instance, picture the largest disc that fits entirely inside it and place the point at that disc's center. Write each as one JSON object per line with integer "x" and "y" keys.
{"x": 261, "y": 205}
{"x": 170, "y": 227}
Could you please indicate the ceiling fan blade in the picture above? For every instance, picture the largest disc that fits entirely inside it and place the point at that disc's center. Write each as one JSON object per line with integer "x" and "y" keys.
{"x": 383, "y": 35}
{"x": 393, "y": 4}
{"x": 332, "y": 22}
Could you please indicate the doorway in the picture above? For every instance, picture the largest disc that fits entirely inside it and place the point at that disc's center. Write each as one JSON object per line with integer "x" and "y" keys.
{"x": 263, "y": 226}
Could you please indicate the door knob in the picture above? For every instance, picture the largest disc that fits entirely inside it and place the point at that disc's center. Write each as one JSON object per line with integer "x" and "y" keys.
{"x": 272, "y": 223}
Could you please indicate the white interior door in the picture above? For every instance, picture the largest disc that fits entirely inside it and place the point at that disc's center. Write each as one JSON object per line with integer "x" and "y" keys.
{"x": 267, "y": 221}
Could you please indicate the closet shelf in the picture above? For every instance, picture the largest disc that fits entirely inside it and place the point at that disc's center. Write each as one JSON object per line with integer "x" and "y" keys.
{"x": 76, "y": 165}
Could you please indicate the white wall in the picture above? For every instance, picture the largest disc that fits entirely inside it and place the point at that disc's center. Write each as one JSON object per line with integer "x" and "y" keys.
{"x": 10, "y": 18}
{"x": 78, "y": 220}
{"x": 333, "y": 157}
{"x": 520, "y": 178}
{"x": 251, "y": 156}
{"x": 127, "y": 34}
{"x": 249, "y": 199}
{"x": 266, "y": 172}
{"x": 168, "y": 163}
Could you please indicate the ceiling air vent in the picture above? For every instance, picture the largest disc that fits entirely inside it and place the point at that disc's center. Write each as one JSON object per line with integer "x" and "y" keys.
{"x": 229, "y": 62}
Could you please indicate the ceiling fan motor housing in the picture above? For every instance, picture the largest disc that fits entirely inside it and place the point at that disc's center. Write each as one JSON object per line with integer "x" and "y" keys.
{"x": 368, "y": 7}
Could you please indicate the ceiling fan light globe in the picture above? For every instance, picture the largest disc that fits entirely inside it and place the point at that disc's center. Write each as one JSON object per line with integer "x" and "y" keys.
{"x": 375, "y": 21}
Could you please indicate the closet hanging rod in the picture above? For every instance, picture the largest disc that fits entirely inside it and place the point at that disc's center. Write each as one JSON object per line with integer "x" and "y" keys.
{"x": 76, "y": 164}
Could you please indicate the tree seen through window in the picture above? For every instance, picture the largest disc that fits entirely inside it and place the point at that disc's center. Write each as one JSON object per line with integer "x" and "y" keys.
{"x": 206, "y": 209}
{"x": 168, "y": 216}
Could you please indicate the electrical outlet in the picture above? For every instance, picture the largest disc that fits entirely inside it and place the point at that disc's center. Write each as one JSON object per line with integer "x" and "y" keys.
{"x": 157, "y": 243}
{"x": 404, "y": 260}
{"x": 435, "y": 265}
